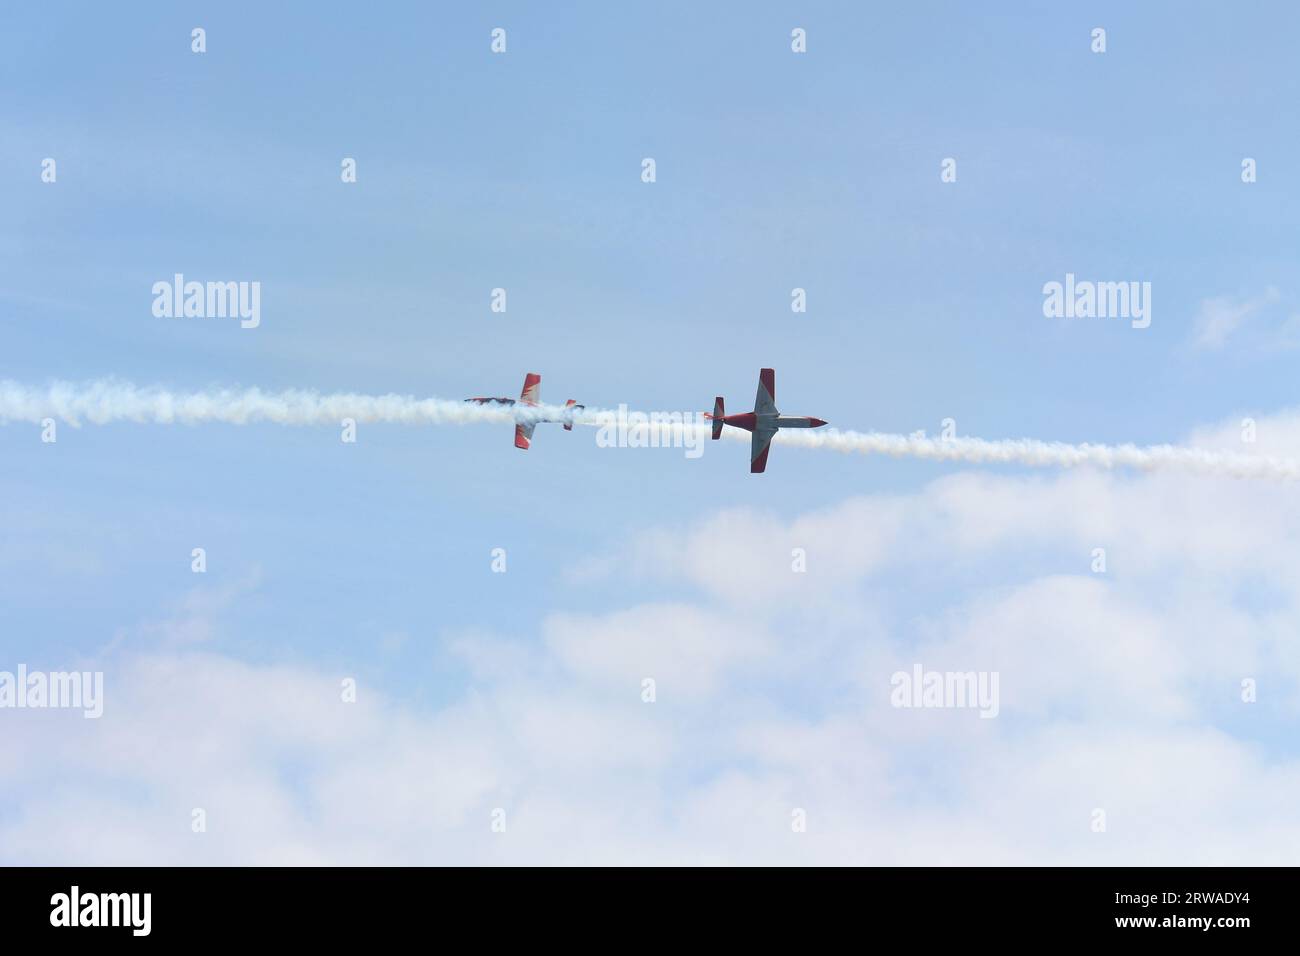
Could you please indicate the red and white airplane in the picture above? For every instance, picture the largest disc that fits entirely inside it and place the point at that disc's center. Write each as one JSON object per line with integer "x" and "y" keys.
{"x": 763, "y": 421}
{"x": 531, "y": 396}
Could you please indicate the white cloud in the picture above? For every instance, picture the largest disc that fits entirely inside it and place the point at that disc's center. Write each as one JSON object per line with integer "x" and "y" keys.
{"x": 1222, "y": 317}
{"x": 683, "y": 647}
{"x": 1119, "y": 691}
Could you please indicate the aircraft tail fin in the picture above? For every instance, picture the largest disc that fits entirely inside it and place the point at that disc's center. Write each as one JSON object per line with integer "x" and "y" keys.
{"x": 719, "y": 411}
{"x": 532, "y": 393}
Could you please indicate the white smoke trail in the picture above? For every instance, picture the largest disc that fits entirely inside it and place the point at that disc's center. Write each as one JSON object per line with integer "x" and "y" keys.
{"x": 104, "y": 402}
{"x": 1021, "y": 451}
{"x": 107, "y": 401}
{"x": 1041, "y": 454}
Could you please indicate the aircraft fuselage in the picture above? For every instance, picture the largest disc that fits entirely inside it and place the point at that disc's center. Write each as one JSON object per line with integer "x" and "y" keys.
{"x": 750, "y": 421}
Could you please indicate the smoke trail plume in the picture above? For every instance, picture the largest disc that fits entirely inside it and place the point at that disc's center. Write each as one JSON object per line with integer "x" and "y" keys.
{"x": 1021, "y": 451}
{"x": 103, "y": 402}
{"x": 1041, "y": 454}
{"x": 109, "y": 401}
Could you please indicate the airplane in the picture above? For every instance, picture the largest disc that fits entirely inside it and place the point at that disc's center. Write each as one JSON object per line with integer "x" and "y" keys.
{"x": 531, "y": 396}
{"x": 763, "y": 421}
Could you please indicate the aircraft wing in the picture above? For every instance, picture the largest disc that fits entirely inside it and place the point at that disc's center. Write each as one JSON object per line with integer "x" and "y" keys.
{"x": 524, "y": 434}
{"x": 765, "y": 401}
{"x": 491, "y": 401}
{"x": 759, "y": 446}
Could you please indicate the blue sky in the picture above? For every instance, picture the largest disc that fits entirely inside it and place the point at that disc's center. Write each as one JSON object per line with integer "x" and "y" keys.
{"x": 522, "y": 170}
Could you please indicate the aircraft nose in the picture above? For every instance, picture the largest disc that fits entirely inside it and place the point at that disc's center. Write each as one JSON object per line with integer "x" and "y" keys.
{"x": 817, "y": 422}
